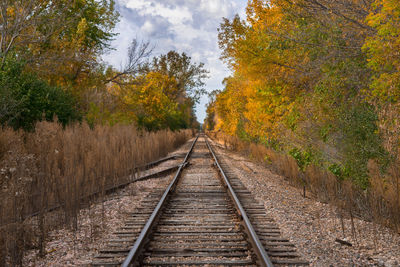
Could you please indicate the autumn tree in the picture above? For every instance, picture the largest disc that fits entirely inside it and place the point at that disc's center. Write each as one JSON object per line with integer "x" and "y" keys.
{"x": 300, "y": 78}
{"x": 60, "y": 43}
{"x": 210, "y": 120}
{"x": 189, "y": 76}
{"x": 149, "y": 102}
{"x": 155, "y": 94}
{"x": 60, "y": 40}
{"x": 383, "y": 49}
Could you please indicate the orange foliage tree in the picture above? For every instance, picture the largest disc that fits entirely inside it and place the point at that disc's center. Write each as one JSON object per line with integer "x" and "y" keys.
{"x": 307, "y": 76}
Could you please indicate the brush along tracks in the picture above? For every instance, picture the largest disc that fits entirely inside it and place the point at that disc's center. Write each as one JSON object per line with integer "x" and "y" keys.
{"x": 203, "y": 218}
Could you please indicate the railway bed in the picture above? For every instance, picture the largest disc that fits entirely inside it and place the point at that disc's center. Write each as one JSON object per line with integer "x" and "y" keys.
{"x": 206, "y": 216}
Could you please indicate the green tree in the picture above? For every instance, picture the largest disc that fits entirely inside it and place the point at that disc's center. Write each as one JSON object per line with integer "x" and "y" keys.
{"x": 25, "y": 99}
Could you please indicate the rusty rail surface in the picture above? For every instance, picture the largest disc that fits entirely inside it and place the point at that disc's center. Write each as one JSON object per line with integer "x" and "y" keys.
{"x": 262, "y": 255}
{"x": 140, "y": 242}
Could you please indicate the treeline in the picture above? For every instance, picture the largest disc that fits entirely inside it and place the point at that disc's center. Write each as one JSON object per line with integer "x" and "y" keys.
{"x": 50, "y": 66}
{"x": 319, "y": 80}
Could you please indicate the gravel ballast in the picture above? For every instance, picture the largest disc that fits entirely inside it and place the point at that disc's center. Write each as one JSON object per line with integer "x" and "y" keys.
{"x": 314, "y": 226}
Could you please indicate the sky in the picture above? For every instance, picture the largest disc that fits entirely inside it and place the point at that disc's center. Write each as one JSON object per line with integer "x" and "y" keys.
{"x": 188, "y": 26}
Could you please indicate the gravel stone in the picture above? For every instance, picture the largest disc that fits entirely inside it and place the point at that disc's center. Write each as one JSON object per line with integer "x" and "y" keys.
{"x": 313, "y": 226}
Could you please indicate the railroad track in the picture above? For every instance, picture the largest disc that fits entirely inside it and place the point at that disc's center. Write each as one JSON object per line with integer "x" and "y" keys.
{"x": 205, "y": 217}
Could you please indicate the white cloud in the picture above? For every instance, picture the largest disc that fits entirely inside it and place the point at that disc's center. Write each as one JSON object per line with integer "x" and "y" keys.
{"x": 148, "y": 27}
{"x": 176, "y": 14}
{"x": 188, "y": 26}
{"x": 217, "y": 7}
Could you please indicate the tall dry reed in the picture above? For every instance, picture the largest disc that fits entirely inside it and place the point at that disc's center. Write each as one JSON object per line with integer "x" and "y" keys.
{"x": 54, "y": 167}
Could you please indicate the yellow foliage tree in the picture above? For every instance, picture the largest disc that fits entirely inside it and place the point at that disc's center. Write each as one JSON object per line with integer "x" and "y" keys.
{"x": 147, "y": 100}
{"x": 383, "y": 49}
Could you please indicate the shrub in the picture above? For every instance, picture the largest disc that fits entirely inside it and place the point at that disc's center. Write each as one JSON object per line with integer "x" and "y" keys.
{"x": 361, "y": 142}
{"x": 25, "y": 99}
{"x": 303, "y": 158}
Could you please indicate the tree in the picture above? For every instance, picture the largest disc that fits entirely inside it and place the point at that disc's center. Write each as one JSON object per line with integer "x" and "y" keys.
{"x": 149, "y": 103}
{"x": 25, "y": 99}
{"x": 155, "y": 95}
{"x": 137, "y": 63}
{"x": 383, "y": 49}
{"x": 60, "y": 40}
{"x": 189, "y": 76}
{"x": 300, "y": 73}
{"x": 210, "y": 120}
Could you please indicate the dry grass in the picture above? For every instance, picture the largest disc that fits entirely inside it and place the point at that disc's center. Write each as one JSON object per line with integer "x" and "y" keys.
{"x": 61, "y": 167}
{"x": 385, "y": 195}
{"x": 380, "y": 203}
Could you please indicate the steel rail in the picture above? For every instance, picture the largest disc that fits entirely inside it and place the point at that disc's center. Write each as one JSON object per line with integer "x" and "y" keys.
{"x": 259, "y": 249}
{"x": 134, "y": 253}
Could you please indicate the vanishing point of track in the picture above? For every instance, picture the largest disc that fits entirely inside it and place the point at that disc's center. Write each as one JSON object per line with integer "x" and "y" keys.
{"x": 204, "y": 217}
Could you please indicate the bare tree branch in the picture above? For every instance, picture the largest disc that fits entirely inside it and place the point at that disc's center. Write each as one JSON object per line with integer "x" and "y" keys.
{"x": 137, "y": 60}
